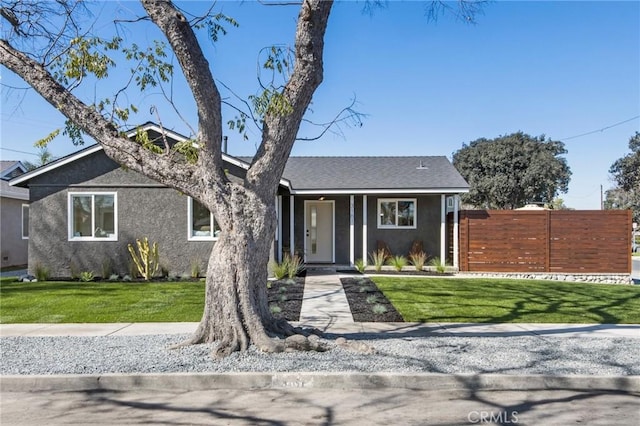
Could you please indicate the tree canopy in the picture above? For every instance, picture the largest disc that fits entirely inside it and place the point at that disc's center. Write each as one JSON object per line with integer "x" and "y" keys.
{"x": 625, "y": 173}
{"x": 56, "y": 47}
{"x": 510, "y": 171}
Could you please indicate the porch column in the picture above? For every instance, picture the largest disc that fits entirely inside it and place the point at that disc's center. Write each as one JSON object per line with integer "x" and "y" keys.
{"x": 456, "y": 248}
{"x": 352, "y": 233}
{"x": 443, "y": 228}
{"x": 292, "y": 249}
{"x": 279, "y": 230}
{"x": 364, "y": 229}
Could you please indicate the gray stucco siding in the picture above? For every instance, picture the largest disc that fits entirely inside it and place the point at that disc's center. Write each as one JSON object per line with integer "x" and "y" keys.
{"x": 157, "y": 213}
{"x": 14, "y": 247}
{"x": 399, "y": 240}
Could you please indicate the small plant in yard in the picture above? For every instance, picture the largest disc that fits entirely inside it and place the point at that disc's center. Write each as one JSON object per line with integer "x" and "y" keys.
{"x": 398, "y": 262}
{"x": 172, "y": 276}
{"x": 126, "y": 278}
{"x": 295, "y": 266}
{"x": 195, "y": 268}
{"x": 280, "y": 269}
{"x": 282, "y": 298}
{"x": 418, "y": 260}
{"x": 439, "y": 265}
{"x": 86, "y": 276}
{"x": 42, "y": 272}
{"x": 185, "y": 277}
{"x": 275, "y": 309}
{"x": 372, "y": 299}
{"x": 282, "y": 289}
{"x": 359, "y": 264}
{"x": 114, "y": 277}
{"x": 379, "y": 309}
{"x": 146, "y": 258}
{"x": 107, "y": 268}
{"x": 378, "y": 258}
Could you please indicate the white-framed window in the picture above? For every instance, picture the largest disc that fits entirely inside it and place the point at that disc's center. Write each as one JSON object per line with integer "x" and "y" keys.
{"x": 202, "y": 225}
{"x": 25, "y": 221}
{"x": 397, "y": 212}
{"x": 93, "y": 216}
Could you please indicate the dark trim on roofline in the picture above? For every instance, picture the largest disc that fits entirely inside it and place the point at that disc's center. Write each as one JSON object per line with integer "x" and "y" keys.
{"x": 22, "y": 179}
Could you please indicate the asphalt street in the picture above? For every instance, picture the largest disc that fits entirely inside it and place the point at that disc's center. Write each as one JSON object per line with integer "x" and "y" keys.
{"x": 321, "y": 407}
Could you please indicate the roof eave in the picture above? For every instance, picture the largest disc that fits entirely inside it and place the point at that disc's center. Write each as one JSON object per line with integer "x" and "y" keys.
{"x": 367, "y": 191}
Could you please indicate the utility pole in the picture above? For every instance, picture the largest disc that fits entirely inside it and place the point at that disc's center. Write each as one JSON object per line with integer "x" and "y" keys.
{"x": 601, "y": 199}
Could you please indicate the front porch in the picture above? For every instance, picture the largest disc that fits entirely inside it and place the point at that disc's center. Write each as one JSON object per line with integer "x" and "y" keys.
{"x": 327, "y": 229}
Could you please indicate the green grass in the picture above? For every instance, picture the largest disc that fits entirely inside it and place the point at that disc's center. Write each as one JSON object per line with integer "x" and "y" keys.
{"x": 76, "y": 302}
{"x": 506, "y": 300}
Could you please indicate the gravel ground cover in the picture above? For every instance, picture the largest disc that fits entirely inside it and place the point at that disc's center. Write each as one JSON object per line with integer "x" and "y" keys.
{"x": 441, "y": 354}
{"x": 285, "y": 297}
{"x": 367, "y": 302}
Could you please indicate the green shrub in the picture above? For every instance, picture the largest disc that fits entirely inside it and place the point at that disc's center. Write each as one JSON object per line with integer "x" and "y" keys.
{"x": 398, "y": 262}
{"x": 86, "y": 276}
{"x": 107, "y": 268}
{"x": 359, "y": 264}
{"x": 379, "y": 309}
{"x": 146, "y": 259}
{"x": 280, "y": 270}
{"x": 295, "y": 266}
{"x": 42, "y": 272}
{"x": 378, "y": 258}
{"x": 439, "y": 266}
{"x": 195, "y": 268}
{"x": 418, "y": 260}
{"x": 275, "y": 309}
{"x": 114, "y": 277}
{"x": 372, "y": 299}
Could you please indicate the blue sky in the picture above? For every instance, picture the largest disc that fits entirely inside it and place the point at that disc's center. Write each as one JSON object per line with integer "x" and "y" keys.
{"x": 556, "y": 68}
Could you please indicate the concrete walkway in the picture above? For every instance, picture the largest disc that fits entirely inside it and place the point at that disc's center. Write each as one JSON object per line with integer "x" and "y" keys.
{"x": 324, "y": 304}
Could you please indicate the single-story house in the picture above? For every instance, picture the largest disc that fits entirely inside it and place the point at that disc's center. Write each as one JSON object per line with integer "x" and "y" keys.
{"x": 14, "y": 216}
{"x": 85, "y": 210}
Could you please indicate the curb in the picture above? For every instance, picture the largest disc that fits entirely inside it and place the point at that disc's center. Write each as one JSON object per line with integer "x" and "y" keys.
{"x": 307, "y": 380}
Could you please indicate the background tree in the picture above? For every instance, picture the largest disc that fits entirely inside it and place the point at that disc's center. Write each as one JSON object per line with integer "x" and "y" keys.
{"x": 626, "y": 175}
{"x": 44, "y": 157}
{"x": 54, "y": 47}
{"x": 510, "y": 171}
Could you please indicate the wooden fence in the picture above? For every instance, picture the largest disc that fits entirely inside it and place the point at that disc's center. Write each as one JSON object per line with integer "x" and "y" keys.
{"x": 568, "y": 241}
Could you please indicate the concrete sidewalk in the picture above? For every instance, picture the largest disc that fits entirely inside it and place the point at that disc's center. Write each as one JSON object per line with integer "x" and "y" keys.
{"x": 380, "y": 329}
{"x": 325, "y": 307}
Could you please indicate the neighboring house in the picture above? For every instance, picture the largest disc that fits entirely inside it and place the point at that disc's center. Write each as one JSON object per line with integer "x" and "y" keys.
{"x": 332, "y": 210}
{"x": 14, "y": 216}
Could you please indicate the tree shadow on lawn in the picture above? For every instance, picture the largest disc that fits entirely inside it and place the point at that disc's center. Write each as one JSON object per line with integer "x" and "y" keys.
{"x": 544, "y": 302}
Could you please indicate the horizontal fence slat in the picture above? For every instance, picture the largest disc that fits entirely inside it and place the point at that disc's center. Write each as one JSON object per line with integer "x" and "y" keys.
{"x": 554, "y": 241}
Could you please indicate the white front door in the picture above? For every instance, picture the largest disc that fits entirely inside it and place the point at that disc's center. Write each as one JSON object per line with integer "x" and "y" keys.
{"x": 318, "y": 223}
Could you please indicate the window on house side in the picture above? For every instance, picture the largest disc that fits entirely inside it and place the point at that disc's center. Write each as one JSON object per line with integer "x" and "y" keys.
{"x": 25, "y": 221}
{"x": 397, "y": 213}
{"x": 93, "y": 216}
{"x": 202, "y": 225}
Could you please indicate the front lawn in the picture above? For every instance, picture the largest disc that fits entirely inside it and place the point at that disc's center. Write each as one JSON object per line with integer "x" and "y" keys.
{"x": 506, "y": 300}
{"x": 78, "y": 302}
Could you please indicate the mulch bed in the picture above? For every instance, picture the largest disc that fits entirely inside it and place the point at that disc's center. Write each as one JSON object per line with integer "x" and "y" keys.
{"x": 412, "y": 272}
{"x": 286, "y": 294}
{"x": 364, "y": 299}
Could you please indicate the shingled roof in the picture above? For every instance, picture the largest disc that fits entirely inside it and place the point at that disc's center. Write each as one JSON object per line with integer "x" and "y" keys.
{"x": 364, "y": 174}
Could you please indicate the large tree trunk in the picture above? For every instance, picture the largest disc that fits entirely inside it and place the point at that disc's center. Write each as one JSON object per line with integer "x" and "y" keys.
{"x": 236, "y": 311}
